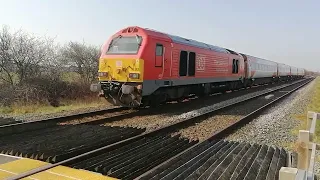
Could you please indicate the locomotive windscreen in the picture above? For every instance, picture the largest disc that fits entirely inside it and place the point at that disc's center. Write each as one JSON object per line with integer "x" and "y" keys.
{"x": 125, "y": 45}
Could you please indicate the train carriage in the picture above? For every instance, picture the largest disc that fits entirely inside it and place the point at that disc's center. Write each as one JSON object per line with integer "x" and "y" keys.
{"x": 140, "y": 66}
{"x": 301, "y": 72}
{"x": 293, "y": 72}
{"x": 284, "y": 71}
{"x": 260, "y": 70}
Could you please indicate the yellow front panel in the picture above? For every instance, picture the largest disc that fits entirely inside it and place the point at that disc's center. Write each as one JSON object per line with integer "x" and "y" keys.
{"x": 119, "y": 69}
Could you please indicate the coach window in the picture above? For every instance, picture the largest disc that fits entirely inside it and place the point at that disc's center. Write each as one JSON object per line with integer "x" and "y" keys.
{"x": 159, "y": 55}
{"x": 183, "y": 65}
{"x": 192, "y": 64}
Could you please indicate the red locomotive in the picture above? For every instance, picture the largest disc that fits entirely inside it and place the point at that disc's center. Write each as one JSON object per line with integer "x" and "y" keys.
{"x": 140, "y": 67}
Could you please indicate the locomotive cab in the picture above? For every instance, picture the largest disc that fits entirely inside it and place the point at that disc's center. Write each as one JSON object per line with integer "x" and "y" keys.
{"x": 121, "y": 68}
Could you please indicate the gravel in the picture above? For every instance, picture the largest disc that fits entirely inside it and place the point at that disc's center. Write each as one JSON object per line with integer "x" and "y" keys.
{"x": 276, "y": 125}
{"x": 153, "y": 122}
{"x": 98, "y": 117}
{"x": 205, "y": 129}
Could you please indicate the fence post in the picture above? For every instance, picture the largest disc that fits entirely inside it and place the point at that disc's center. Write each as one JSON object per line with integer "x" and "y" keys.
{"x": 309, "y": 119}
{"x": 303, "y": 150}
{"x": 287, "y": 173}
{"x": 306, "y": 152}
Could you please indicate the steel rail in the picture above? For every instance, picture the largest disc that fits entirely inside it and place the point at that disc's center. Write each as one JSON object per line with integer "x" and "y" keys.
{"x": 161, "y": 130}
{"x": 227, "y": 130}
{"x": 40, "y": 124}
{"x": 23, "y": 126}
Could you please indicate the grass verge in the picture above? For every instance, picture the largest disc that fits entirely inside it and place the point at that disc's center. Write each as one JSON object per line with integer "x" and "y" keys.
{"x": 70, "y": 105}
{"x": 315, "y": 106}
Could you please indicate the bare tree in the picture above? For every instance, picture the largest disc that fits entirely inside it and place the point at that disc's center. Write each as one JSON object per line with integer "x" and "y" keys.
{"x": 22, "y": 55}
{"x": 6, "y": 66}
{"x": 28, "y": 54}
{"x": 84, "y": 57}
{"x": 31, "y": 68}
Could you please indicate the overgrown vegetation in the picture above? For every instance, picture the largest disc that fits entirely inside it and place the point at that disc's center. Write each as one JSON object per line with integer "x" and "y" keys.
{"x": 36, "y": 71}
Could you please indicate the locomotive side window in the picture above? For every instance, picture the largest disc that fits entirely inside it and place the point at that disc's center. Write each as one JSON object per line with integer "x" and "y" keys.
{"x": 159, "y": 50}
{"x": 159, "y": 55}
{"x": 235, "y": 66}
{"x": 183, "y": 65}
{"x": 192, "y": 64}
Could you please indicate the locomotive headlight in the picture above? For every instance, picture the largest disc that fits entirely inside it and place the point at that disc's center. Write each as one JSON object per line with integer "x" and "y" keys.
{"x": 103, "y": 74}
{"x": 134, "y": 75}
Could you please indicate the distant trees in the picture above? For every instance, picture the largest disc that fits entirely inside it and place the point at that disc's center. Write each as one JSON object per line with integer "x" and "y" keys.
{"x": 32, "y": 68}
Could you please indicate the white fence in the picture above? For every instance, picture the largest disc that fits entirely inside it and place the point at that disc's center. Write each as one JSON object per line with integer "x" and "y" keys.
{"x": 306, "y": 153}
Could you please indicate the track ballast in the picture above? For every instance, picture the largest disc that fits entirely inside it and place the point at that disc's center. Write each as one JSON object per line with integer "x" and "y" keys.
{"x": 99, "y": 166}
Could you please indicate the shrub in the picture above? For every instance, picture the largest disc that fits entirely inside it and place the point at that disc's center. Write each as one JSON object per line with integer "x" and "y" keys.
{"x": 37, "y": 70}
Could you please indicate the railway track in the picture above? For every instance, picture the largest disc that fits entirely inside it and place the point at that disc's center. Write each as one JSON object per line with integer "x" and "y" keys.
{"x": 126, "y": 155}
{"x": 54, "y": 143}
{"x": 14, "y": 127}
{"x": 167, "y": 109}
{"x": 222, "y": 160}
{"x": 155, "y": 118}
{"x": 62, "y": 142}
{"x": 10, "y": 126}
{"x": 7, "y": 121}
{"x": 229, "y": 115}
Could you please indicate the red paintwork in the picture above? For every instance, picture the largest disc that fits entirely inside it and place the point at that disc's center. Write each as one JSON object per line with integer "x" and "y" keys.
{"x": 215, "y": 64}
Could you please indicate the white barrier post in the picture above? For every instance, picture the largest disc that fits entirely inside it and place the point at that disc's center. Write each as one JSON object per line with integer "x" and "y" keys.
{"x": 287, "y": 173}
{"x": 303, "y": 150}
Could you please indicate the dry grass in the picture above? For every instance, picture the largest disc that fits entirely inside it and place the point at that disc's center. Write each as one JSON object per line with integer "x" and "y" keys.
{"x": 303, "y": 122}
{"x": 70, "y": 105}
{"x": 313, "y": 106}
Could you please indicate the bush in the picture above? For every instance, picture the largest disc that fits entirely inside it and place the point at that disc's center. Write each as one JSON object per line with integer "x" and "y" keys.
{"x": 47, "y": 89}
{"x": 32, "y": 69}
{"x": 44, "y": 90}
{"x": 7, "y": 95}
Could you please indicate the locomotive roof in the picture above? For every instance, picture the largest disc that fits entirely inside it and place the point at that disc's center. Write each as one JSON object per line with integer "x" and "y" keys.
{"x": 191, "y": 42}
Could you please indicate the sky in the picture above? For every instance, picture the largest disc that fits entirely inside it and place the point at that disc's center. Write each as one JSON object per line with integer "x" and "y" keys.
{"x": 282, "y": 31}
